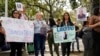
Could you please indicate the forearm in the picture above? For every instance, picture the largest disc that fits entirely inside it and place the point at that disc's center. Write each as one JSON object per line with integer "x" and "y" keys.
{"x": 95, "y": 25}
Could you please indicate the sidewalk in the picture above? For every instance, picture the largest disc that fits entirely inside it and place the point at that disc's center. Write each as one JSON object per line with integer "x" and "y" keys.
{"x": 72, "y": 54}
{"x": 75, "y": 46}
{"x": 47, "y": 53}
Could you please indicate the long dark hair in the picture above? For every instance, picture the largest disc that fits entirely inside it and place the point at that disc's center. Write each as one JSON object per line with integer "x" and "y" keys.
{"x": 85, "y": 22}
{"x": 51, "y": 22}
{"x": 69, "y": 19}
{"x": 96, "y": 11}
{"x": 14, "y": 12}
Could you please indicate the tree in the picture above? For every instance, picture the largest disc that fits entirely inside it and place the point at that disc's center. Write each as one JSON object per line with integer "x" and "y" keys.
{"x": 74, "y": 4}
{"x": 90, "y": 4}
{"x": 11, "y": 6}
{"x": 50, "y": 6}
{"x": 2, "y": 7}
{"x": 94, "y": 4}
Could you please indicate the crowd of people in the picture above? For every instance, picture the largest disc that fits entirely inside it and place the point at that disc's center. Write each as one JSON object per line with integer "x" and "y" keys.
{"x": 44, "y": 31}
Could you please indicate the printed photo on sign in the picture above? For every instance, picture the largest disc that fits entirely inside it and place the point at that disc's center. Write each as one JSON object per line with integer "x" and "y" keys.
{"x": 64, "y": 34}
{"x": 81, "y": 14}
{"x": 19, "y": 6}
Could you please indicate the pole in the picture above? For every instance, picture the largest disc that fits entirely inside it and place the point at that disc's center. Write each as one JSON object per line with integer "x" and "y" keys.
{"x": 6, "y": 8}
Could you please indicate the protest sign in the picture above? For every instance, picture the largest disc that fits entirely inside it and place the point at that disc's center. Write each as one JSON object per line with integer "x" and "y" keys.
{"x": 18, "y": 30}
{"x": 19, "y": 6}
{"x": 81, "y": 14}
{"x": 64, "y": 34}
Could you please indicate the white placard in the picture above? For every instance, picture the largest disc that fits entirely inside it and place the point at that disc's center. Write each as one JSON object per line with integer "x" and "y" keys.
{"x": 19, "y": 6}
{"x": 81, "y": 14}
{"x": 64, "y": 34}
{"x": 18, "y": 30}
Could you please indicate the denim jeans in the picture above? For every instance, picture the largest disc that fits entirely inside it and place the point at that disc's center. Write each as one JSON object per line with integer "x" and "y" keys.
{"x": 88, "y": 45}
{"x": 39, "y": 44}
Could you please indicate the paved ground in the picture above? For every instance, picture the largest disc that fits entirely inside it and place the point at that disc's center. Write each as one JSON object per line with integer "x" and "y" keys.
{"x": 47, "y": 53}
{"x": 72, "y": 54}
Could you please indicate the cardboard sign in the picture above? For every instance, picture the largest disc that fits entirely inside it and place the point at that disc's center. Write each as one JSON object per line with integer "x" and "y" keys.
{"x": 19, "y": 6}
{"x": 81, "y": 14}
{"x": 64, "y": 34}
{"x": 18, "y": 30}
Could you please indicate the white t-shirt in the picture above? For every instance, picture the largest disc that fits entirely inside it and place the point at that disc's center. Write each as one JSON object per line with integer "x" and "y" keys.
{"x": 38, "y": 25}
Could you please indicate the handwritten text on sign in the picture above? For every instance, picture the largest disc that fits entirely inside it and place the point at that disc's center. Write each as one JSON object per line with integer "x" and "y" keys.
{"x": 18, "y": 30}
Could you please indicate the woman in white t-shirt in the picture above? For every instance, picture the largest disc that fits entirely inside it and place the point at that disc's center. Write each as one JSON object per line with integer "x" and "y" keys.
{"x": 39, "y": 34}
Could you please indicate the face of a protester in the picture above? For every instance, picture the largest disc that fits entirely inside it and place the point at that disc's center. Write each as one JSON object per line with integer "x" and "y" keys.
{"x": 16, "y": 14}
{"x": 39, "y": 16}
{"x": 58, "y": 22}
{"x": 66, "y": 16}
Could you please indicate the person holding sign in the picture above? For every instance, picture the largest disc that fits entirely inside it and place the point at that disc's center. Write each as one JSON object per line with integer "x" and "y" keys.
{"x": 16, "y": 45}
{"x": 39, "y": 34}
{"x": 21, "y": 8}
{"x": 66, "y": 21}
{"x": 51, "y": 43}
{"x": 23, "y": 14}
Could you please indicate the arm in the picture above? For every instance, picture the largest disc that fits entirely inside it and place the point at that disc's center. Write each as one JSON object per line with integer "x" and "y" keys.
{"x": 3, "y": 31}
{"x": 91, "y": 25}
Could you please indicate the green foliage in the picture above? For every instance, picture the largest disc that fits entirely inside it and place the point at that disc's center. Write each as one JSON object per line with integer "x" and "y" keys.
{"x": 2, "y": 7}
{"x": 74, "y": 4}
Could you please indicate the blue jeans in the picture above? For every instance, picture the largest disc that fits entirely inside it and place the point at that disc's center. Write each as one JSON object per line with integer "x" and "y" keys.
{"x": 39, "y": 44}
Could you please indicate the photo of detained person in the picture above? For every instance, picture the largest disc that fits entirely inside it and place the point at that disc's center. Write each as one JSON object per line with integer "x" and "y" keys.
{"x": 81, "y": 14}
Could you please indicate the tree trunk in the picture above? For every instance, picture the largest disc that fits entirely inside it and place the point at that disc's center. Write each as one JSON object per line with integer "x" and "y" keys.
{"x": 51, "y": 14}
{"x": 95, "y": 3}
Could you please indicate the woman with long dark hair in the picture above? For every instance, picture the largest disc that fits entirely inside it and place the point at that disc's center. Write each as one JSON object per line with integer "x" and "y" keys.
{"x": 66, "y": 22}
{"x": 52, "y": 23}
{"x": 95, "y": 25}
{"x": 16, "y": 45}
